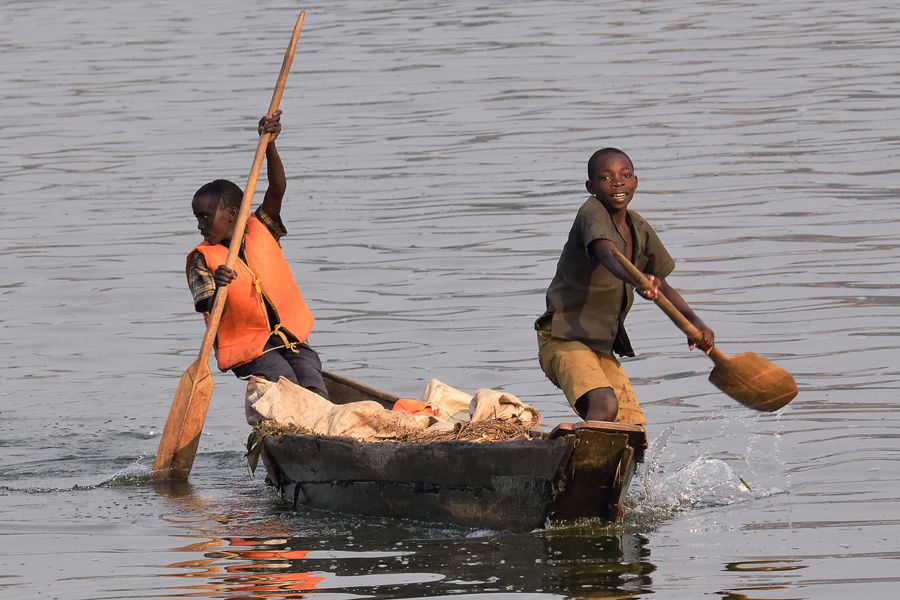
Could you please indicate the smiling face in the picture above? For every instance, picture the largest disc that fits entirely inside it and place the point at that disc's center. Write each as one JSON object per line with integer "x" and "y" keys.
{"x": 216, "y": 224}
{"x": 612, "y": 181}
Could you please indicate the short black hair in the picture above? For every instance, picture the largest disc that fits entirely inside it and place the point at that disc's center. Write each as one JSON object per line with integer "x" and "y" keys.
{"x": 228, "y": 194}
{"x": 596, "y": 156}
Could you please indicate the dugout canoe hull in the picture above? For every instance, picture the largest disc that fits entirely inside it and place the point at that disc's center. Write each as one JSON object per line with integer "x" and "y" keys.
{"x": 575, "y": 472}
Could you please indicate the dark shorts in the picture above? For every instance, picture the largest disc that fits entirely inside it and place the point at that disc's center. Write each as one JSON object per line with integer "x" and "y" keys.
{"x": 302, "y": 367}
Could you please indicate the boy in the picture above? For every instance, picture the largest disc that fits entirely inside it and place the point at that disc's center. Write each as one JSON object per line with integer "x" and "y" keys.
{"x": 591, "y": 293}
{"x": 265, "y": 325}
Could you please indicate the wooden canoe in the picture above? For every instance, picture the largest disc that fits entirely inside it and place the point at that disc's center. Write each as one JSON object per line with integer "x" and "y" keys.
{"x": 575, "y": 472}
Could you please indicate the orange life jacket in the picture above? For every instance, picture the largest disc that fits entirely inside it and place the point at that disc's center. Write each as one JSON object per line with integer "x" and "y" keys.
{"x": 245, "y": 325}
{"x": 415, "y": 407}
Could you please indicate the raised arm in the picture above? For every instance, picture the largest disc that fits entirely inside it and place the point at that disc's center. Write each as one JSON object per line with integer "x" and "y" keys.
{"x": 271, "y": 203}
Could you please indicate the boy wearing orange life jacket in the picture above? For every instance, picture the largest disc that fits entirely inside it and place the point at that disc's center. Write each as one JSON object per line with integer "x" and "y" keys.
{"x": 266, "y": 323}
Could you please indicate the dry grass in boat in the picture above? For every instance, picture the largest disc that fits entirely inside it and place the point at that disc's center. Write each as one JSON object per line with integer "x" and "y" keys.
{"x": 495, "y": 430}
{"x": 267, "y": 427}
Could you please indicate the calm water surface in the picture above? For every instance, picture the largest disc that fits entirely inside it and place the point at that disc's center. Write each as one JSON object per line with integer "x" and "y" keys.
{"x": 436, "y": 159}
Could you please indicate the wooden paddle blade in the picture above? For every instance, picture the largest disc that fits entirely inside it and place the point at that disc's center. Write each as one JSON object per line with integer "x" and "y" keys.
{"x": 180, "y": 438}
{"x": 754, "y": 382}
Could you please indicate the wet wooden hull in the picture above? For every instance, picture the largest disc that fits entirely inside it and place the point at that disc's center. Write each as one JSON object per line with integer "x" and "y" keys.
{"x": 577, "y": 471}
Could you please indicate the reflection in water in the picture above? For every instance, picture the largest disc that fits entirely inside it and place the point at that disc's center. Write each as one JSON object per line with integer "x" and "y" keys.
{"x": 593, "y": 565}
{"x": 253, "y": 568}
{"x": 766, "y": 565}
{"x": 198, "y": 567}
{"x": 250, "y": 567}
{"x": 583, "y": 563}
{"x": 750, "y": 594}
{"x": 374, "y": 557}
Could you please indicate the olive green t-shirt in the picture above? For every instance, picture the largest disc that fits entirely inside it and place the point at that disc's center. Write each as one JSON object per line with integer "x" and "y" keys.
{"x": 586, "y": 302}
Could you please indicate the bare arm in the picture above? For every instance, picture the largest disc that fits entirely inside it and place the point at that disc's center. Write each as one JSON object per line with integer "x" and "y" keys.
{"x": 708, "y": 338}
{"x": 271, "y": 203}
{"x": 601, "y": 251}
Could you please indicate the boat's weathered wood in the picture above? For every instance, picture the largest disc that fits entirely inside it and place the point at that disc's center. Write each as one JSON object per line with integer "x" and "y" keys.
{"x": 590, "y": 477}
{"x": 520, "y": 485}
{"x": 497, "y": 485}
{"x": 608, "y": 469}
{"x": 416, "y": 501}
{"x": 637, "y": 435}
{"x": 314, "y": 458}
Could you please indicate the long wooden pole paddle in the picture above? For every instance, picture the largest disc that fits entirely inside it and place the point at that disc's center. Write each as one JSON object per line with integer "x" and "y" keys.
{"x": 180, "y": 438}
{"x": 748, "y": 378}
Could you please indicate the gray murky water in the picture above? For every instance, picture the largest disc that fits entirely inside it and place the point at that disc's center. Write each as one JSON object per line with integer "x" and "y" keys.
{"x": 435, "y": 153}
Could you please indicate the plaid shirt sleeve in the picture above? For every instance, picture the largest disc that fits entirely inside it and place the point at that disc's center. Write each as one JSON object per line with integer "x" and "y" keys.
{"x": 273, "y": 224}
{"x": 201, "y": 282}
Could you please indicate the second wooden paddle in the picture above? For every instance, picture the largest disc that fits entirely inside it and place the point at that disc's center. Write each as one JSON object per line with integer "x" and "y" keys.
{"x": 748, "y": 378}
{"x": 180, "y": 438}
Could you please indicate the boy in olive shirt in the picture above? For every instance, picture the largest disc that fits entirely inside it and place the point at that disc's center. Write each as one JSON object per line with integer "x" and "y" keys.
{"x": 591, "y": 293}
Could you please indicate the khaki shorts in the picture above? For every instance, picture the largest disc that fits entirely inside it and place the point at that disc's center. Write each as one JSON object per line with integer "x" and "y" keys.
{"x": 576, "y": 369}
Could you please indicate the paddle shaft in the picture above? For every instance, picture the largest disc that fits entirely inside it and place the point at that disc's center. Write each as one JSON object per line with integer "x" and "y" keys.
{"x": 178, "y": 444}
{"x": 667, "y": 307}
{"x": 215, "y": 314}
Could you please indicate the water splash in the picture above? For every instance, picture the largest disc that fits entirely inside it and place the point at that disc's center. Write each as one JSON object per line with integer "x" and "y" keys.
{"x": 703, "y": 482}
{"x": 135, "y": 473}
{"x": 654, "y": 454}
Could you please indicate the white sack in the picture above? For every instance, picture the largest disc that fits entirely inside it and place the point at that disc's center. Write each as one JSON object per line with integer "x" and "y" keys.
{"x": 491, "y": 404}
{"x": 452, "y": 402}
